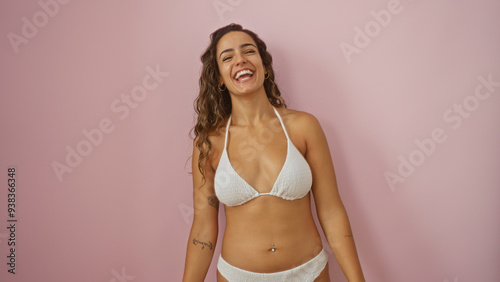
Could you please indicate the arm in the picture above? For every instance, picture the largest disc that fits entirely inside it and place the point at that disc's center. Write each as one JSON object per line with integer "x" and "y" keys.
{"x": 204, "y": 231}
{"x": 331, "y": 212}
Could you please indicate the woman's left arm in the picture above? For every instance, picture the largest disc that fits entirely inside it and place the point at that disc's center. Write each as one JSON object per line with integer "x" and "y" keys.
{"x": 331, "y": 212}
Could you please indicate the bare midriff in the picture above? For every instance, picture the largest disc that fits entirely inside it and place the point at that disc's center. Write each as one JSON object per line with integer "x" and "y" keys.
{"x": 270, "y": 234}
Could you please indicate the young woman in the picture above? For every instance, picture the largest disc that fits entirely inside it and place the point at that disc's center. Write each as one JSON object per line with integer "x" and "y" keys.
{"x": 261, "y": 160}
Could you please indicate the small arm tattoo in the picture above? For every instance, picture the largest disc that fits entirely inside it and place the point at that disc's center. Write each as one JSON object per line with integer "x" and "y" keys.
{"x": 203, "y": 244}
{"x": 213, "y": 201}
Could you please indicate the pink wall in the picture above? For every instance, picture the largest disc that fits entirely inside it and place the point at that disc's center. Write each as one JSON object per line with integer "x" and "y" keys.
{"x": 412, "y": 125}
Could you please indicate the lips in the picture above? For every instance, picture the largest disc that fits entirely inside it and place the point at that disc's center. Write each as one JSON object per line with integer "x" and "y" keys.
{"x": 243, "y": 75}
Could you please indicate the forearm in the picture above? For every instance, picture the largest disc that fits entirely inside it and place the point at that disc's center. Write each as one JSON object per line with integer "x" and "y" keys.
{"x": 341, "y": 241}
{"x": 200, "y": 250}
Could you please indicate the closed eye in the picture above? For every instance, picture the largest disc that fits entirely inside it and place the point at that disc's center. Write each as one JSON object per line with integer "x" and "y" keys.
{"x": 250, "y": 52}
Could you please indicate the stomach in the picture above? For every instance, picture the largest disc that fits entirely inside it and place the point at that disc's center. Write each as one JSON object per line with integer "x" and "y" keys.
{"x": 270, "y": 234}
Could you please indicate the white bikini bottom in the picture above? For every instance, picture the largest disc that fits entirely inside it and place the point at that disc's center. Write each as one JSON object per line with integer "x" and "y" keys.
{"x": 306, "y": 272}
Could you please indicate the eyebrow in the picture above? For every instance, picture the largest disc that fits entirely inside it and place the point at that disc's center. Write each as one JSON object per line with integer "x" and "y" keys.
{"x": 241, "y": 46}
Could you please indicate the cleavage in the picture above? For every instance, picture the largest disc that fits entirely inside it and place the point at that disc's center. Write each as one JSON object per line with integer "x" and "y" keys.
{"x": 257, "y": 156}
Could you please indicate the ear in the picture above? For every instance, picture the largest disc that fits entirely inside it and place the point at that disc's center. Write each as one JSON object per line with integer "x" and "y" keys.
{"x": 221, "y": 82}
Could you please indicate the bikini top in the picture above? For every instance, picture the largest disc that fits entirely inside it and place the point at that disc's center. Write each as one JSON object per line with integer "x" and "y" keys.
{"x": 293, "y": 182}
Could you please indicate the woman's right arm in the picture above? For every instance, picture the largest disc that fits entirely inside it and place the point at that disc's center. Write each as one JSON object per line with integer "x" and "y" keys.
{"x": 204, "y": 231}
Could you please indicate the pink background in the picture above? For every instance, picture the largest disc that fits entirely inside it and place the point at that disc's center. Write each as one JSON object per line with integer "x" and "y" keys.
{"x": 124, "y": 211}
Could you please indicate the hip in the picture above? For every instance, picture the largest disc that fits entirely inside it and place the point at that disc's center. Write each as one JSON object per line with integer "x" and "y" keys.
{"x": 314, "y": 269}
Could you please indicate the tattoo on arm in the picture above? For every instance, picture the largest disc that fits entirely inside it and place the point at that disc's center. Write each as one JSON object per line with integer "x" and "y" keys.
{"x": 203, "y": 244}
{"x": 213, "y": 201}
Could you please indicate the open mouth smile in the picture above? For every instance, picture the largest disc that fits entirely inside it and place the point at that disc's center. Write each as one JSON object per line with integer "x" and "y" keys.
{"x": 243, "y": 75}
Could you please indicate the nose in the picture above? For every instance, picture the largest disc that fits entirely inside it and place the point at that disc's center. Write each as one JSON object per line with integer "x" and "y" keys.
{"x": 239, "y": 58}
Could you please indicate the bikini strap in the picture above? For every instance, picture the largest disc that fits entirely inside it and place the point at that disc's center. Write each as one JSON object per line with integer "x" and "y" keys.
{"x": 281, "y": 121}
{"x": 227, "y": 130}
{"x": 277, "y": 114}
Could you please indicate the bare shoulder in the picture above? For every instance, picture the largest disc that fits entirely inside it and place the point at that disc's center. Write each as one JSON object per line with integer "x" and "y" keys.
{"x": 303, "y": 128}
{"x": 300, "y": 121}
{"x": 216, "y": 135}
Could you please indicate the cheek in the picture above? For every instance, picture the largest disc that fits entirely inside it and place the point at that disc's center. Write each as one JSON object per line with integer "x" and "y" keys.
{"x": 260, "y": 65}
{"x": 225, "y": 73}
{"x": 222, "y": 72}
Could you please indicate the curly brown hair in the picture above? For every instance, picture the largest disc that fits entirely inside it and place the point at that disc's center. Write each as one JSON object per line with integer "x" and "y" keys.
{"x": 213, "y": 105}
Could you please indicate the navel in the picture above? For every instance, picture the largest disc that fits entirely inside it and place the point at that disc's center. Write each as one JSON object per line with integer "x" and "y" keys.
{"x": 273, "y": 248}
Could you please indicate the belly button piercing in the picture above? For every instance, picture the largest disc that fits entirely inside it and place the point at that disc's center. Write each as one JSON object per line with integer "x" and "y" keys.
{"x": 273, "y": 249}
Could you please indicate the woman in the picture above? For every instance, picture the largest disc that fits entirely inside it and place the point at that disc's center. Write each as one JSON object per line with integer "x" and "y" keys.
{"x": 260, "y": 160}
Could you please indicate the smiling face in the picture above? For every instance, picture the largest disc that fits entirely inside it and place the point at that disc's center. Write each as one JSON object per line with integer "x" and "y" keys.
{"x": 240, "y": 64}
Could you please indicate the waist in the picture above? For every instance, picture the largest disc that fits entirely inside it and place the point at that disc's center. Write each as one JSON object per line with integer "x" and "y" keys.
{"x": 271, "y": 250}
{"x": 274, "y": 263}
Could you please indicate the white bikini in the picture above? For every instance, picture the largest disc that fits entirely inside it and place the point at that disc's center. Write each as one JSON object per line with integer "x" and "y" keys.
{"x": 293, "y": 182}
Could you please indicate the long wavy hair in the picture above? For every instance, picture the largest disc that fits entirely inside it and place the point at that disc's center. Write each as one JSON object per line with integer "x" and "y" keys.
{"x": 213, "y": 105}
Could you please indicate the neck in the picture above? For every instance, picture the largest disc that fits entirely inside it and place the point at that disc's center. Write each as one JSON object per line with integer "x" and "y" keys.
{"x": 251, "y": 109}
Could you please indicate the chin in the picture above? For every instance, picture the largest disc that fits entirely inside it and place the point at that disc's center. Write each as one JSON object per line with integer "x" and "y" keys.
{"x": 247, "y": 90}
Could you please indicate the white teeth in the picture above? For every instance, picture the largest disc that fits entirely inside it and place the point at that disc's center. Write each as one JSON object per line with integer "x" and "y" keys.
{"x": 240, "y": 73}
